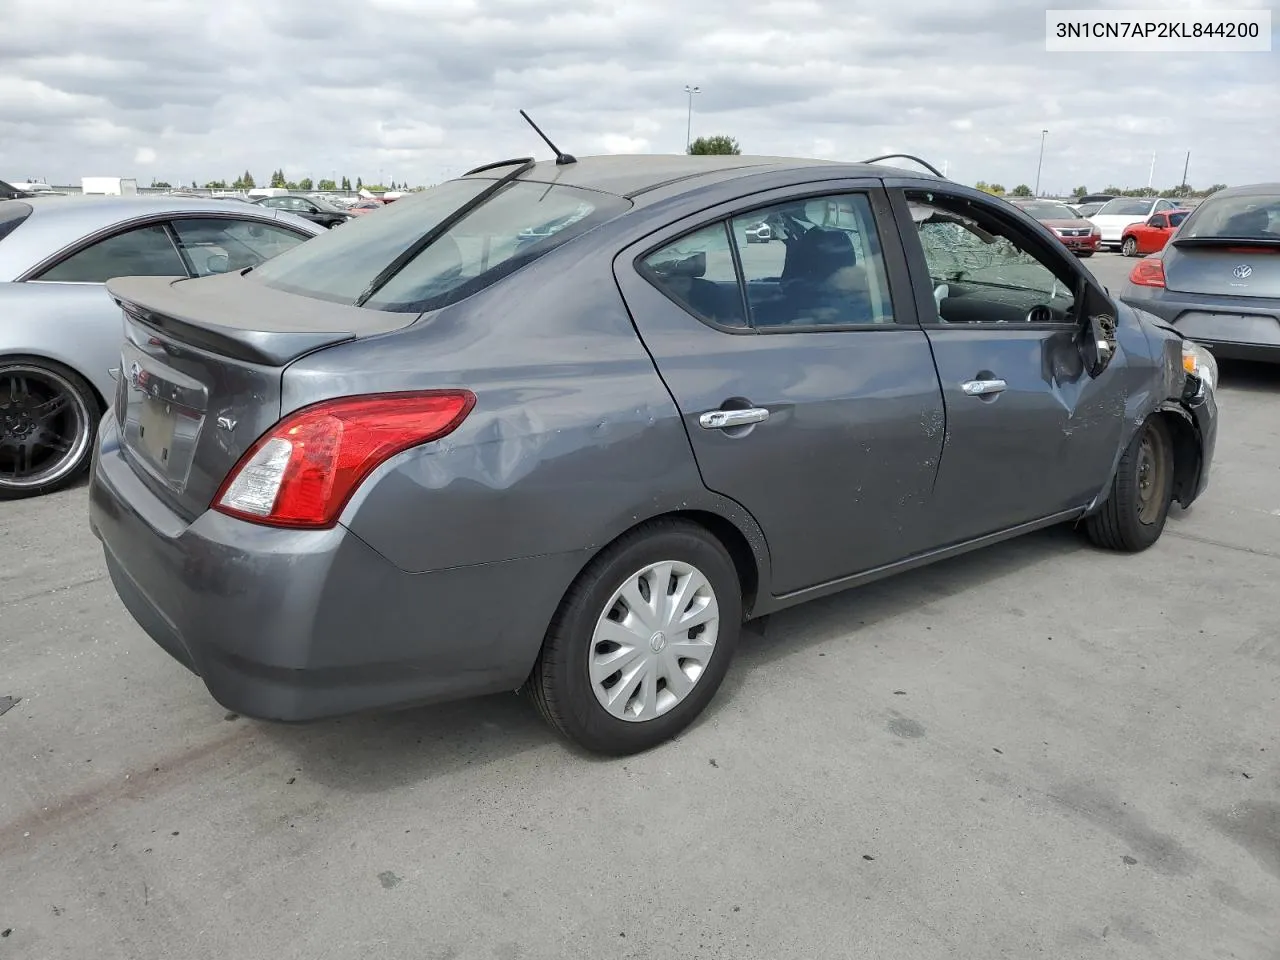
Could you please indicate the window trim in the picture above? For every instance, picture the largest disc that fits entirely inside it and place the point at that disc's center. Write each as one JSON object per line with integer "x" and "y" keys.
{"x": 1032, "y": 234}
{"x": 33, "y": 274}
{"x": 898, "y": 285}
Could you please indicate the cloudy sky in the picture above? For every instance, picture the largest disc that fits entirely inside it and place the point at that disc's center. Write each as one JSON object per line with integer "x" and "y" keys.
{"x": 419, "y": 90}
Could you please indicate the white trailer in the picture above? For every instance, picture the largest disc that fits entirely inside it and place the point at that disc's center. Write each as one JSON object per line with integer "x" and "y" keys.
{"x": 108, "y": 186}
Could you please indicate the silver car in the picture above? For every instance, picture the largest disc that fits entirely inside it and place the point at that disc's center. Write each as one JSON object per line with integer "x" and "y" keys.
{"x": 59, "y": 331}
{"x": 1217, "y": 280}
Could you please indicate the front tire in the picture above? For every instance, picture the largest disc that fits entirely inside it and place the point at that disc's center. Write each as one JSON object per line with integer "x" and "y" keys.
{"x": 1130, "y": 247}
{"x": 642, "y": 640}
{"x": 48, "y": 421}
{"x": 1085, "y": 254}
{"x": 1134, "y": 515}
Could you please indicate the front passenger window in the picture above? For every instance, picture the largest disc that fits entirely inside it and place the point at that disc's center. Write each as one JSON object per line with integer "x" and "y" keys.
{"x": 984, "y": 272}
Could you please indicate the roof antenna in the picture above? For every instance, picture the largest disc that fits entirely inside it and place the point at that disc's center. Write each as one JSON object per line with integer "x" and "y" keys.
{"x": 561, "y": 158}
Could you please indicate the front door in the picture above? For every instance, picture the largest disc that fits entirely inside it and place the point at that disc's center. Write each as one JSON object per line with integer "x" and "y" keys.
{"x": 1029, "y": 433}
{"x": 806, "y": 386}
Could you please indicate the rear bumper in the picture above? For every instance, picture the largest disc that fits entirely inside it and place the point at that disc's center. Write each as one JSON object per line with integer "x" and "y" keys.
{"x": 1231, "y": 329}
{"x": 298, "y": 625}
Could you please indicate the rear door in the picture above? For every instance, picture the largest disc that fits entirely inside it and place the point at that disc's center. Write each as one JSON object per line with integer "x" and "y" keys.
{"x": 806, "y": 386}
{"x": 1029, "y": 433}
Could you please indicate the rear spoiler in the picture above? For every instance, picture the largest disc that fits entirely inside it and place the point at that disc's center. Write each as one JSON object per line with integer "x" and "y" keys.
{"x": 1242, "y": 243}
{"x": 250, "y": 323}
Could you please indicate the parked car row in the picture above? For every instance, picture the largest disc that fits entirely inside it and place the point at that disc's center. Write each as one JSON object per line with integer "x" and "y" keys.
{"x": 1212, "y": 268}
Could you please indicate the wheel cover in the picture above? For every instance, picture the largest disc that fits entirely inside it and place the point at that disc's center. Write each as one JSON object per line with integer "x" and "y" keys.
{"x": 1152, "y": 466}
{"x": 45, "y": 426}
{"x": 654, "y": 641}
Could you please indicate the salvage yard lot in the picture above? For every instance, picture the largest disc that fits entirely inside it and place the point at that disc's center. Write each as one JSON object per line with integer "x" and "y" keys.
{"x": 1041, "y": 747}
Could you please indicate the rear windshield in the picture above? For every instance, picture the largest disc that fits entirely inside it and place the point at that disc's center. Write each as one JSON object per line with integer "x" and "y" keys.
{"x": 1048, "y": 211}
{"x": 515, "y": 226}
{"x": 1126, "y": 208}
{"x": 1239, "y": 218}
{"x": 12, "y": 213}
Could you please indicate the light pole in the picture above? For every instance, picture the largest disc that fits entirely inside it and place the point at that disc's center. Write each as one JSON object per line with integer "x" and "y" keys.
{"x": 1043, "y": 134}
{"x": 688, "y": 123}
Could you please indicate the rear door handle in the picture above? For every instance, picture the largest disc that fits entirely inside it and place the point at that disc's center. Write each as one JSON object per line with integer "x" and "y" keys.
{"x": 720, "y": 419}
{"x": 983, "y": 388}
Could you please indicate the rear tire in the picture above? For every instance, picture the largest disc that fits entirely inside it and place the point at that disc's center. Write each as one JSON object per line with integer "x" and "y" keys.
{"x": 1134, "y": 515}
{"x": 665, "y": 674}
{"x": 48, "y": 424}
{"x": 1129, "y": 247}
{"x": 1085, "y": 254}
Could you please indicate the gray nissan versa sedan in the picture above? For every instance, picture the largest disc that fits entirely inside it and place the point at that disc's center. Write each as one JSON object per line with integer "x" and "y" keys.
{"x": 558, "y": 426}
{"x": 1218, "y": 278}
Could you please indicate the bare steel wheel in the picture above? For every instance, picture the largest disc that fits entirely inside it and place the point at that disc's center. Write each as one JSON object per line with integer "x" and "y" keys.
{"x": 642, "y": 639}
{"x": 1153, "y": 485}
{"x": 654, "y": 640}
{"x": 48, "y": 417}
{"x": 1137, "y": 506}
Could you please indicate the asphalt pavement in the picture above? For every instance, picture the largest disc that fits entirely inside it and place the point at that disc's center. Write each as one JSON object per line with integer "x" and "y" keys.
{"x": 1041, "y": 749}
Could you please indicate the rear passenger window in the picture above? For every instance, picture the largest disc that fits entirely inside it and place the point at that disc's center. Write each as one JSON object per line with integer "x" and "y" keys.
{"x": 697, "y": 272}
{"x": 814, "y": 263}
{"x": 805, "y": 264}
{"x": 142, "y": 252}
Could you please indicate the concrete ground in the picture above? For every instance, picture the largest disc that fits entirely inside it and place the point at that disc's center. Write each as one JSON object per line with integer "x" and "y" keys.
{"x": 1037, "y": 750}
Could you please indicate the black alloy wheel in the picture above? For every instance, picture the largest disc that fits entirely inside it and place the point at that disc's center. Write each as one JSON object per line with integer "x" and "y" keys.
{"x": 48, "y": 419}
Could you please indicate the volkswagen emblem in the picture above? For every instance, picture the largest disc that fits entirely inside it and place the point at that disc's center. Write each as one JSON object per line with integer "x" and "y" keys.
{"x": 1243, "y": 272}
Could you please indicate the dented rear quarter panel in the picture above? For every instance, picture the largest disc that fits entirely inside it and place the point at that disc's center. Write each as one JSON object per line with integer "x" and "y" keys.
{"x": 569, "y": 410}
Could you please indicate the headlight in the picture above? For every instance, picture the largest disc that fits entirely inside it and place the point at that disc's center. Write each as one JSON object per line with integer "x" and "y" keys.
{"x": 1199, "y": 362}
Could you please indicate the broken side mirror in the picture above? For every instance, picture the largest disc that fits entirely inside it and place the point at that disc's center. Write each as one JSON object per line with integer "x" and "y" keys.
{"x": 1097, "y": 345}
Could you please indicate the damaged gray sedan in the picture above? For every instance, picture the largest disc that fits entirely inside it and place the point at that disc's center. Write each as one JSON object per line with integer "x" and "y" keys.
{"x": 560, "y": 427}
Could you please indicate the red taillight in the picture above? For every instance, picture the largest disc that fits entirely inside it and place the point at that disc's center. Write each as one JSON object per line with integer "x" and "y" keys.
{"x": 302, "y": 472}
{"x": 1147, "y": 273}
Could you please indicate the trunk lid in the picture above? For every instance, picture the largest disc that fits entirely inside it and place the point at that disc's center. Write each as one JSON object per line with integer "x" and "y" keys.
{"x": 1223, "y": 267}
{"x": 200, "y": 372}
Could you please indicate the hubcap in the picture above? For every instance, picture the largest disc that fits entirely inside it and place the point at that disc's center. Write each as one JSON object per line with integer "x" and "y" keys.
{"x": 654, "y": 640}
{"x": 44, "y": 426}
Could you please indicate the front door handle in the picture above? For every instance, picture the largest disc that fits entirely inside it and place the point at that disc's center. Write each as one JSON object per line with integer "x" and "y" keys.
{"x": 721, "y": 419}
{"x": 983, "y": 388}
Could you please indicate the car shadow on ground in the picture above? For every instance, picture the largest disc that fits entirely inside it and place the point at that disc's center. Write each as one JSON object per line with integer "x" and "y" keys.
{"x": 376, "y": 752}
{"x": 1249, "y": 376}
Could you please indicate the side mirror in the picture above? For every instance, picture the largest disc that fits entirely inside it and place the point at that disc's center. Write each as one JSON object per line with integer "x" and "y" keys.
{"x": 217, "y": 263}
{"x": 1096, "y": 345}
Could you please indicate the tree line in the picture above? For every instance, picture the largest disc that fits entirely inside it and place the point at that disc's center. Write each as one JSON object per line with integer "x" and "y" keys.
{"x": 703, "y": 146}
{"x": 278, "y": 180}
{"x": 1181, "y": 191}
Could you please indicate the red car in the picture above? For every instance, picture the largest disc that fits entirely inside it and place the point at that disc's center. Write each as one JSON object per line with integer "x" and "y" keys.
{"x": 1077, "y": 234}
{"x": 364, "y": 206}
{"x": 1140, "y": 239}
